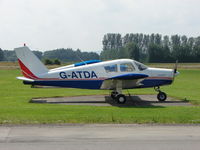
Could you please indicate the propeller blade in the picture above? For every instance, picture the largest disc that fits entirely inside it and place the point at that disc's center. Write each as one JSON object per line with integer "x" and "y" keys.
{"x": 175, "y": 67}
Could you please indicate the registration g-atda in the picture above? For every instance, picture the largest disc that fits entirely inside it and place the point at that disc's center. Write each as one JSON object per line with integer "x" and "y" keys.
{"x": 78, "y": 75}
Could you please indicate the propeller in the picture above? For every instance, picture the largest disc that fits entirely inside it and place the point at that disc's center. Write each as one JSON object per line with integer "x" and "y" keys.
{"x": 175, "y": 69}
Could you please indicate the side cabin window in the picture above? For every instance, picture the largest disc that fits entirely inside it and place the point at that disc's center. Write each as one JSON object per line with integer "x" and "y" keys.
{"x": 126, "y": 67}
{"x": 111, "y": 68}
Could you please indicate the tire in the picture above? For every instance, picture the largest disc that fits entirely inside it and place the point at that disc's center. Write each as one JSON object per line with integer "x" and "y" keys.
{"x": 161, "y": 96}
{"x": 121, "y": 99}
{"x": 114, "y": 95}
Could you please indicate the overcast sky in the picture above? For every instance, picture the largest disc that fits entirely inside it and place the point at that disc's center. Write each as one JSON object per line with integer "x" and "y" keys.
{"x": 50, "y": 24}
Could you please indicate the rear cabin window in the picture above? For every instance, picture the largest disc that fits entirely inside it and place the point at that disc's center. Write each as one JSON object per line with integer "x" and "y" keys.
{"x": 126, "y": 67}
{"x": 111, "y": 68}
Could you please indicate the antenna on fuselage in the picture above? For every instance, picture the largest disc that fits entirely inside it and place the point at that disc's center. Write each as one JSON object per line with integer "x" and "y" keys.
{"x": 81, "y": 59}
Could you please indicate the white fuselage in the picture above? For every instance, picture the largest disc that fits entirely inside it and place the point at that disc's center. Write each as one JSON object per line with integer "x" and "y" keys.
{"x": 99, "y": 73}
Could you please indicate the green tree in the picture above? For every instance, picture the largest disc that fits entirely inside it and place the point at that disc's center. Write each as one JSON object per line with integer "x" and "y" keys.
{"x": 1, "y": 55}
{"x": 57, "y": 62}
{"x": 155, "y": 53}
{"x": 112, "y": 41}
{"x": 69, "y": 55}
{"x": 122, "y": 53}
{"x": 152, "y": 47}
{"x": 133, "y": 50}
{"x": 48, "y": 62}
{"x": 196, "y": 50}
{"x": 175, "y": 43}
{"x": 9, "y": 55}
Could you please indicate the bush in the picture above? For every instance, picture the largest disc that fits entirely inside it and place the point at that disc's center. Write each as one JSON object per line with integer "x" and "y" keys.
{"x": 52, "y": 62}
{"x": 57, "y": 62}
{"x": 48, "y": 62}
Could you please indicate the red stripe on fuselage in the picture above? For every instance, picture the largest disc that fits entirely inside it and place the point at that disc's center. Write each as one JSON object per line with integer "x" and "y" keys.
{"x": 25, "y": 71}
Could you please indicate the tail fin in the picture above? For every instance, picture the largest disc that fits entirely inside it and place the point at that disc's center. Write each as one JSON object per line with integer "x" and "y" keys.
{"x": 30, "y": 65}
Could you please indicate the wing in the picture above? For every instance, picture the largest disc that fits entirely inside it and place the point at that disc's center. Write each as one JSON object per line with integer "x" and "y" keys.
{"x": 125, "y": 81}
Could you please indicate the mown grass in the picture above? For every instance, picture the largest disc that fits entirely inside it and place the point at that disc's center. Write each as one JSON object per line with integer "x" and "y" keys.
{"x": 16, "y": 109}
{"x": 185, "y": 87}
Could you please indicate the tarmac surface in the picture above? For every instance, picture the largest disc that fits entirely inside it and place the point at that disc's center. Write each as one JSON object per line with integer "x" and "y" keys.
{"x": 102, "y": 100}
{"x": 100, "y": 137}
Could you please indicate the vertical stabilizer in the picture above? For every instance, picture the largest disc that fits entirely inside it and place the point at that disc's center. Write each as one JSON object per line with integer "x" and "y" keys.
{"x": 30, "y": 65}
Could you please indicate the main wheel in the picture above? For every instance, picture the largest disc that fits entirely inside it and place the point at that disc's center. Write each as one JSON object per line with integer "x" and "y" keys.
{"x": 113, "y": 94}
{"x": 161, "y": 96}
{"x": 121, "y": 99}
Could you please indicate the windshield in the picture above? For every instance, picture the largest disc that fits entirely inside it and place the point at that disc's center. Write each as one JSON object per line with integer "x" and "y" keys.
{"x": 140, "y": 66}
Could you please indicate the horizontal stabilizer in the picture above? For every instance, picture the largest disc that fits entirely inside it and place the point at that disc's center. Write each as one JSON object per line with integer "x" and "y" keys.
{"x": 25, "y": 79}
{"x": 130, "y": 76}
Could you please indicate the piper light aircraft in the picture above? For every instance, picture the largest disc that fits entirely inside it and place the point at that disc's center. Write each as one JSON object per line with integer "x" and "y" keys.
{"x": 112, "y": 75}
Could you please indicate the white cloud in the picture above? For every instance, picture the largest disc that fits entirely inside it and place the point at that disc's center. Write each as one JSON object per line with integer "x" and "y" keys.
{"x": 49, "y": 24}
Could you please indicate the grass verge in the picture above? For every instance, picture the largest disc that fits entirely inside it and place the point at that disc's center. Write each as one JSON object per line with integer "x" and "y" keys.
{"x": 15, "y": 109}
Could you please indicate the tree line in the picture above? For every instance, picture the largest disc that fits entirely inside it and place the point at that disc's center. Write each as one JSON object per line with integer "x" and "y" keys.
{"x": 151, "y": 48}
{"x": 63, "y": 55}
{"x": 142, "y": 47}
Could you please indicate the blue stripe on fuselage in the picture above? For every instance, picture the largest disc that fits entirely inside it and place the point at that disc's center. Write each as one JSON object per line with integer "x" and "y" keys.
{"x": 82, "y": 84}
{"x": 95, "y": 84}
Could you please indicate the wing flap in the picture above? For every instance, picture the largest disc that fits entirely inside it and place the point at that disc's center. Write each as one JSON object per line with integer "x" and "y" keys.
{"x": 128, "y": 81}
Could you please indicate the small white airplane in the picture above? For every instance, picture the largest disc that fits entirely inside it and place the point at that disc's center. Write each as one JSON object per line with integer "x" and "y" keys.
{"x": 112, "y": 75}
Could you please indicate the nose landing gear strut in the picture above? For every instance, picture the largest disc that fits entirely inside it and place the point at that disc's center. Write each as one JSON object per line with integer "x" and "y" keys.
{"x": 117, "y": 95}
{"x": 162, "y": 96}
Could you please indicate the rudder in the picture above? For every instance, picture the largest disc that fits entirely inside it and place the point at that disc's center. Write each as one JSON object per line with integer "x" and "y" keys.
{"x": 30, "y": 65}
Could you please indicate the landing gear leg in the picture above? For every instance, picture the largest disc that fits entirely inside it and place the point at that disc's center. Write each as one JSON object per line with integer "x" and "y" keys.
{"x": 117, "y": 94}
{"x": 162, "y": 96}
{"x": 114, "y": 94}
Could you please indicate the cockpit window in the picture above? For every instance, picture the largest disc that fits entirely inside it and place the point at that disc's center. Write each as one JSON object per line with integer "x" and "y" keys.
{"x": 126, "y": 67}
{"x": 111, "y": 68}
{"x": 140, "y": 66}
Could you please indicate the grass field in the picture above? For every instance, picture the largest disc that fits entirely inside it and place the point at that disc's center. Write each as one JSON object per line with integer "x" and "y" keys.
{"x": 16, "y": 109}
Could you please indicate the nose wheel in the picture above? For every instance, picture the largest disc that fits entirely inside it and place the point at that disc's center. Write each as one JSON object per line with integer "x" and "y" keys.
{"x": 162, "y": 96}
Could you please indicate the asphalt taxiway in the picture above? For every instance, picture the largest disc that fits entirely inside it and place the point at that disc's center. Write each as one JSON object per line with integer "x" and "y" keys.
{"x": 103, "y": 100}
{"x": 98, "y": 137}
